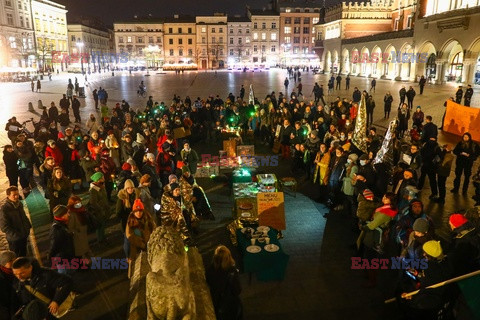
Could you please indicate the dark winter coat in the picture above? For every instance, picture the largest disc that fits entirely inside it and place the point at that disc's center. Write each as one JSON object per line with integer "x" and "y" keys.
{"x": 13, "y": 221}
{"x": 61, "y": 241}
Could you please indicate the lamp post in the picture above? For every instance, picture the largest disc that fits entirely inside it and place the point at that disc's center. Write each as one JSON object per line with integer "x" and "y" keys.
{"x": 80, "y": 45}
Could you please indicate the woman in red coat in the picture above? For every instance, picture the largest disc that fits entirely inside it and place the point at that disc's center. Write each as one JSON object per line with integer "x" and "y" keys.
{"x": 53, "y": 151}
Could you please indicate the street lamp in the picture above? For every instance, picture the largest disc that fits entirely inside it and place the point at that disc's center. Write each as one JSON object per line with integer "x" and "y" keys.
{"x": 80, "y": 45}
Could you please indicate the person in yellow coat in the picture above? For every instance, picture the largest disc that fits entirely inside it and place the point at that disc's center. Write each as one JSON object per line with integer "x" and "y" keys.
{"x": 322, "y": 171}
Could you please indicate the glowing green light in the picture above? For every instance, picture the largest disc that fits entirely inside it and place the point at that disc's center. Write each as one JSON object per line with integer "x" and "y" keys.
{"x": 231, "y": 119}
{"x": 186, "y": 248}
{"x": 212, "y": 176}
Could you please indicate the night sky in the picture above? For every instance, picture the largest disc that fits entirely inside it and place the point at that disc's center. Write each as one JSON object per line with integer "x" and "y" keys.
{"x": 117, "y": 10}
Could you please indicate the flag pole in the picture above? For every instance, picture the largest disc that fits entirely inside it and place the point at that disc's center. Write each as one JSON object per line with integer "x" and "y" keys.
{"x": 440, "y": 284}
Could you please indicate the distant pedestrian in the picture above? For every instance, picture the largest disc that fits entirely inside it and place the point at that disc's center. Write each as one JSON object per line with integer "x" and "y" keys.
{"x": 373, "y": 85}
{"x": 300, "y": 87}
{"x": 468, "y": 96}
{"x": 76, "y": 109}
{"x": 422, "y": 83}
{"x": 347, "y": 82}
{"x": 32, "y": 85}
{"x": 388, "y": 99}
{"x": 403, "y": 95}
{"x": 242, "y": 92}
{"x": 39, "y": 85}
{"x": 410, "y": 96}
{"x": 286, "y": 83}
{"x": 95, "y": 98}
{"x": 459, "y": 95}
{"x": 339, "y": 82}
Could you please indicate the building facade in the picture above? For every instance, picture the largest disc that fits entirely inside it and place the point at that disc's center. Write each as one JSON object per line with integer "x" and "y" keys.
{"x": 179, "y": 43}
{"x": 264, "y": 37}
{"x": 51, "y": 34}
{"x": 141, "y": 40}
{"x": 89, "y": 47}
{"x": 17, "y": 39}
{"x": 239, "y": 42}
{"x": 297, "y": 32}
{"x": 211, "y": 49}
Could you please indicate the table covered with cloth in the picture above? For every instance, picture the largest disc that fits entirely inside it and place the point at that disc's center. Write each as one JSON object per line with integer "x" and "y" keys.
{"x": 267, "y": 266}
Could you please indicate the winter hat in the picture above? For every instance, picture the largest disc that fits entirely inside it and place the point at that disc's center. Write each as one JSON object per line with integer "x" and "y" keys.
{"x": 174, "y": 186}
{"x": 61, "y": 135}
{"x": 368, "y": 194}
{"x": 128, "y": 184}
{"x": 126, "y": 166}
{"x": 364, "y": 156}
{"x": 50, "y": 142}
{"x": 138, "y": 205}
{"x": 433, "y": 248}
{"x": 6, "y": 256}
{"x": 315, "y": 133}
{"x": 171, "y": 178}
{"x": 457, "y": 220}
{"x": 109, "y": 132}
{"x": 59, "y": 211}
{"x": 151, "y": 157}
{"x": 353, "y": 157}
{"x": 96, "y": 176}
{"x": 140, "y": 139}
{"x": 421, "y": 225}
{"x": 131, "y": 162}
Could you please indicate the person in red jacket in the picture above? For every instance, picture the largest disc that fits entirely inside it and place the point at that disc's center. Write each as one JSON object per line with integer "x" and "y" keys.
{"x": 53, "y": 151}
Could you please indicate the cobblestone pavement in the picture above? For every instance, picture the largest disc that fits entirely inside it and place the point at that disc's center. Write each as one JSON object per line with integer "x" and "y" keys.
{"x": 318, "y": 279}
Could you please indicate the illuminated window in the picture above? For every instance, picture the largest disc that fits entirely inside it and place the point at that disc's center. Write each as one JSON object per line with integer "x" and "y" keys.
{"x": 247, "y": 40}
{"x": 287, "y": 40}
{"x": 13, "y": 42}
{"x": 288, "y": 10}
{"x": 287, "y": 30}
{"x": 273, "y": 36}
{"x": 204, "y": 29}
{"x": 315, "y": 20}
{"x": 129, "y": 39}
{"x": 255, "y": 36}
{"x": 264, "y": 36}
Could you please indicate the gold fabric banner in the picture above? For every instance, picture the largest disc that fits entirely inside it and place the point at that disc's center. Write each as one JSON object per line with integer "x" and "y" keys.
{"x": 460, "y": 119}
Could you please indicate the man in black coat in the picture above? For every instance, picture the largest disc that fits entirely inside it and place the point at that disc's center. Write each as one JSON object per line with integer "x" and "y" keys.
{"x": 403, "y": 94}
{"x": 64, "y": 103}
{"x": 410, "y": 95}
{"x": 430, "y": 130}
{"x": 76, "y": 109}
{"x": 467, "y": 152}
{"x": 357, "y": 95}
{"x": 459, "y": 95}
{"x": 468, "y": 96}
{"x": 14, "y": 222}
{"x": 49, "y": 283}
{"x": 465, "y": 252}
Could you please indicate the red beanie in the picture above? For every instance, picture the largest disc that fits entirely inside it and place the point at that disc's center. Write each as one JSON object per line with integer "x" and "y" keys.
{"x": 457, "y": 220}
{"x": 138, "y": 205}
{"x": 368, "y": 194}
{"x": 126, "y": 166}
{"x": 60, "y": 135}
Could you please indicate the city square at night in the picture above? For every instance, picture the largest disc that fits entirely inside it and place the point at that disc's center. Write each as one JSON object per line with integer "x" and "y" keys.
{"x": 234, "y": 160}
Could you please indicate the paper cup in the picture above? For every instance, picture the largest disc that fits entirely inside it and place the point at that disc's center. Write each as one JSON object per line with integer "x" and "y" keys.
{"x": 267, "y": 240}
{"x": 252, "y": 241}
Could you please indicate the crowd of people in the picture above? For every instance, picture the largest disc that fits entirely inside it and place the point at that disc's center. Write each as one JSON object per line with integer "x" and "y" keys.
{"x": 135, "y": 153}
